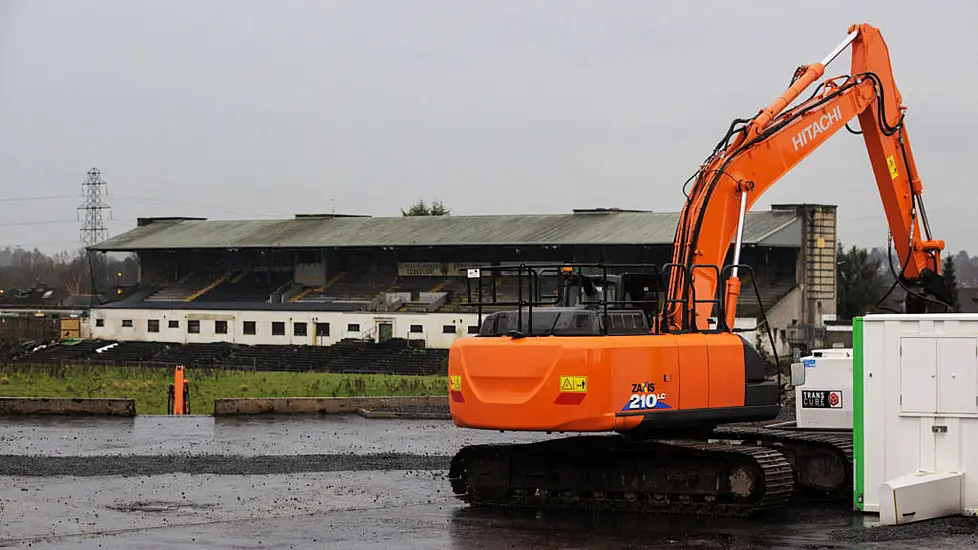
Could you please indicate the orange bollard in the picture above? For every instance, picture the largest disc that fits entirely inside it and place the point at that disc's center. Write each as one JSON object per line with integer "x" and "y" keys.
{"x": 179, "y": 389}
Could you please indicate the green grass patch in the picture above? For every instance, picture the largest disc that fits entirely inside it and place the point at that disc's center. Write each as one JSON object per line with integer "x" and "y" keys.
{"x": 149, "y": 386}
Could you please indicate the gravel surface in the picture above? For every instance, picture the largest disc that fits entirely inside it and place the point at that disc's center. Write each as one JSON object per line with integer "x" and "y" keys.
{"x": 242, "y": 436}
{"x": 413, "y": 409}
{"x": 962, "y": 527}
{"x": 344, "y": 482}
{"x": 114, "y": 465}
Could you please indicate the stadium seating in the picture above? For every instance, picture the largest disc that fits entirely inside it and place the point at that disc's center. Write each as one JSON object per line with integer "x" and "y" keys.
{"x": 246, "y": 287}
{"x": 57, "y": 353}
{"x": 347, "y": 356}
{"x": 507, "y": 290}
{"x": 771, "y": 294}
{"x": 185, "y": 288}
{"x": 37, "y": 296}
{"x": 344, "y": 292}
{"x": 349, "y": 293}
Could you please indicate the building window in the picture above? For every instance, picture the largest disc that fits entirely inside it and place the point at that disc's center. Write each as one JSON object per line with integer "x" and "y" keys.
{"x": 353, "y": 327}
{"x": 127, "y": 323}
{"x": 299, "y": 329}
{"x": 417, "y": 329}
{"x": 448, "y": 329}
{"x": 473, "y": 329}
{"x": 322, "y": 329}
{"x": 100, "y": 322}
{"x": 153, "y": 325}
{"x": 249, "y": 327}
{"x": 278, "y": 328}
{"x": 220, "y": 327}
{"x": 193, "y": 326}
{"x": 173, "y": 324}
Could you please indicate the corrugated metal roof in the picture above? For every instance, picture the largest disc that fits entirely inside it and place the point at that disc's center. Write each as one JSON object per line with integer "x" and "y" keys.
{"x": 604, "y": 228}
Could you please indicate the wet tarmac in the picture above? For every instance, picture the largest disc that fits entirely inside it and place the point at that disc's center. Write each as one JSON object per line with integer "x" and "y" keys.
{"x": 335, "y": 482}
{"x": 238, "y": 436}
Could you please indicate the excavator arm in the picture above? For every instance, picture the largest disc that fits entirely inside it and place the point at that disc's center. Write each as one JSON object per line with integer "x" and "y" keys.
{"x": 757, "y": 152}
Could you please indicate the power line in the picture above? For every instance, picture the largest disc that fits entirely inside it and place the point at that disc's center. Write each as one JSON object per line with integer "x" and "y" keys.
{"x": 147, "y": 200}
{"x": 30, "y": 199}
{"x": 45, "y": 222}
{"x": 59, "y": 222}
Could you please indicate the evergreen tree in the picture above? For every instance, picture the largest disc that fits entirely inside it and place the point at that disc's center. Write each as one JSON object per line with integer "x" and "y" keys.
{"x": 421, "y": 209}
{"x": 952, "y": 283}
{"x": 861, "y": 281}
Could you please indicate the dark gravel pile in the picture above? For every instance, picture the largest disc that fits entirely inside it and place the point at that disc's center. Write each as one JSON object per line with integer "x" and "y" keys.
{"x": 415, "y": 409}
{"x": 924, "y": 530}
{"x": 92, "y": 466}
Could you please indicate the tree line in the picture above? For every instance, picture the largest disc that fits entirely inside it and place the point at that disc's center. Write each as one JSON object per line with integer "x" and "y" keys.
{"x": 866, "y": 282}
{"x": 73, "y": 272}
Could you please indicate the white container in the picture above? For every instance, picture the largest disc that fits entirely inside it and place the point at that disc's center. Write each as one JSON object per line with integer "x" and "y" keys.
{"x": 823, "y": 390}
{"x": 916, "y": 407}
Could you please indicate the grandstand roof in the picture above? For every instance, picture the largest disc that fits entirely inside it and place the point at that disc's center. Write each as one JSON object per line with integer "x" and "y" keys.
{"x": 598, "y": 227}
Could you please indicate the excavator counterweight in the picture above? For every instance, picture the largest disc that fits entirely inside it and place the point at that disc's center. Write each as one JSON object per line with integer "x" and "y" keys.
{"x": 650, "y": 379}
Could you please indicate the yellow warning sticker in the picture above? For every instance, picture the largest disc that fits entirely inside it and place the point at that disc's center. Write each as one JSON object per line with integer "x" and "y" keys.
{"x": 455, "y": 382}
{"x": 891, "y": 163}
{"x": 577, "y": 384}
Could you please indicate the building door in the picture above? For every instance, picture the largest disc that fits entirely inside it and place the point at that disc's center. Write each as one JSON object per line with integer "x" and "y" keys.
{"x": 70, "y": 328}
{"x": 385, "y": 331}
{"x": 321, "y": 337}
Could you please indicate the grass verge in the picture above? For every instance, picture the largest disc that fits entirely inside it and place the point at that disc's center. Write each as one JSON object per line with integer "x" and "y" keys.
{"x": 149, "y": 386}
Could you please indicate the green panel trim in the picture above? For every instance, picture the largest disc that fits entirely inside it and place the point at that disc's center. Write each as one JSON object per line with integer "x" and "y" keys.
{"x": 858, "y": 415}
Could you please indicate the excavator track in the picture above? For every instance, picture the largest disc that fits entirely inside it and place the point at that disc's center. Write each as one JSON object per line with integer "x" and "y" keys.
{"x": 614, "y": 473}
{"x": 822, "y": 462}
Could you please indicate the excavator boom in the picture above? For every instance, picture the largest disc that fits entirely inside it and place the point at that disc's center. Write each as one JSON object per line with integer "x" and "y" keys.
{"x": 768, "y": 146}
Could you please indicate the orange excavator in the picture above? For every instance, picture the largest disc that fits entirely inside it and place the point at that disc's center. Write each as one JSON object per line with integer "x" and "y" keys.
{"x": 678, "y": 392}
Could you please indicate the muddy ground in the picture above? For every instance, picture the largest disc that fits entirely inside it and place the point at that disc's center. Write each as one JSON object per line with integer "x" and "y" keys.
{"x": 335, "y": 482}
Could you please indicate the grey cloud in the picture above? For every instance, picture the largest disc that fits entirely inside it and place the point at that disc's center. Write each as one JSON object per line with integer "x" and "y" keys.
{"x": 496, "y": 107}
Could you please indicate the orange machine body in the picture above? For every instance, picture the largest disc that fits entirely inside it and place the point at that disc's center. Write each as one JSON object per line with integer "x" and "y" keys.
{"x": 602, "y": 383}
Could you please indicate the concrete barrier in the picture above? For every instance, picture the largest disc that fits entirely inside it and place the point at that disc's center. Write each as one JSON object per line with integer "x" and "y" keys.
{"x": 320, "y": 405}
{"x": 66, "y": 406}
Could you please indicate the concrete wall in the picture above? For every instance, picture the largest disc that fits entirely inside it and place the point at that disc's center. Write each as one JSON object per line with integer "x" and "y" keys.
{"x": 312, "y": 273}
{"x": 59, "y": 406}
{"x": 816, "y": 268}
{"x": 432, "y": 326}
{"x": 783, "y": 314}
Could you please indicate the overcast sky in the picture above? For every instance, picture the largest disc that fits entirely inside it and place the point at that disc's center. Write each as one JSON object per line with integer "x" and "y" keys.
{"x": 245, "y": 109}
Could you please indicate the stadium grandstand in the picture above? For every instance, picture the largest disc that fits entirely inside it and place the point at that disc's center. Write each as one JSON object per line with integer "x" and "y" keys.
{"x": 350, "y": 293}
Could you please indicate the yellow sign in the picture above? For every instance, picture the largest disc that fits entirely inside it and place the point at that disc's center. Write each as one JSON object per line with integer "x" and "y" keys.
{"x": 455, "y": 382}
{"x": 576, "y": 384}
{"x": 820, "y": 242}
{"x": 891, "y": 162}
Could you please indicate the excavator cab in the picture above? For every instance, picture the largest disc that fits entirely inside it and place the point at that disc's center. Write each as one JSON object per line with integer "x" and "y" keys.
{"x": 587, "y": 299}
{"x": 635, "y": 290}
